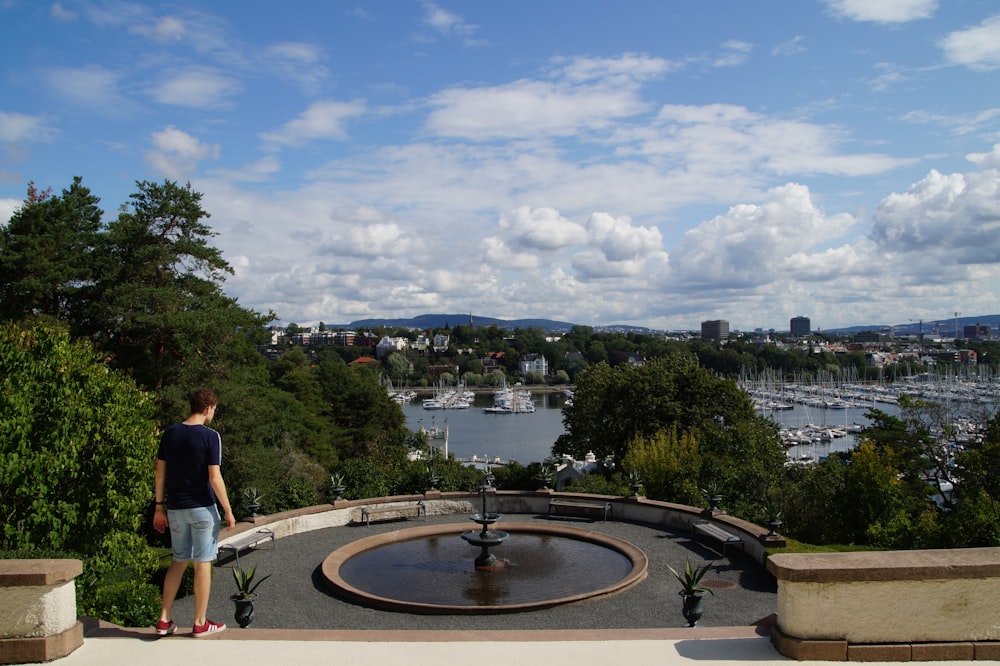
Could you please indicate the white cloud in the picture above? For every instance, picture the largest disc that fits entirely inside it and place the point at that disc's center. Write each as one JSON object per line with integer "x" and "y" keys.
{"x": 60, "y": 13}
{"x": 884, "y": 11}
{"x": 990, "y": 160}
{"x": 953, "y": 218}
{"x": 540, "y": 229}
{"x": 977, "y": 47}
{"x": 164, "y": 30}
{"x": 748, "y": 246}
{"x": 179, "y": 153}
{"x": 197, "y": 88}
{"x": 93, "y": 87}
{"x": 22, "y": 127}
{"x": 322, "y": 120}
{"x": 298, "y": 62}
{"x": 7, "y": 208}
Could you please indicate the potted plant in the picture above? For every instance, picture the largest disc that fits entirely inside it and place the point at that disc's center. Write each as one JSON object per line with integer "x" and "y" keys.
{"x": 634, "y": 482}
{"x": 692, "y": 590}
{"x": 544, "y": 476}
{"x": 713, "y": 495}
{"x": 774, "y": 517}
{"x": 337, "y": 486}
{"x": 253, "y": 497}
{"x": 432, "y": 478}
{"x": 245, "y": 593}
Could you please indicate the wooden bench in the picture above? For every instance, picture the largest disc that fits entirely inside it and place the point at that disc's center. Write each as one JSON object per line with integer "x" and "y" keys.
{"x": 368, "y": 511}
{"x": 562, "y": 506}
{"x": 713, "y": 531}
{"x": 247, "y": 540}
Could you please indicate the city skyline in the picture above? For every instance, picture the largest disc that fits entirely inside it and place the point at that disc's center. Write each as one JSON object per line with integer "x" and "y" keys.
{"x": 641, "y": 163}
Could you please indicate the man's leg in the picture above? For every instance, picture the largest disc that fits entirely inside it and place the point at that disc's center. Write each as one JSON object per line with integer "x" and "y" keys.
{"x": 171, "y": 584}
{"x": 202, "y": 591}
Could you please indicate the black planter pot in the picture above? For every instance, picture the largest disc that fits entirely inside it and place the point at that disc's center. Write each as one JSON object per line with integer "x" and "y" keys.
{"x": 253, "y": 509}
{"x": 691, "y": 608}
{"x": 635, "y": 487}
{"x": 337, "y": 492}
{"x": 244, "y": 609}
{"x": 543, "y": 482}
{"x": 772, "y": 526}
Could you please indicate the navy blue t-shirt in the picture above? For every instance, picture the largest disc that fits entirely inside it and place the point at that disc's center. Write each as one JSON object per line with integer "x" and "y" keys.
{"x": 188, "y": 450}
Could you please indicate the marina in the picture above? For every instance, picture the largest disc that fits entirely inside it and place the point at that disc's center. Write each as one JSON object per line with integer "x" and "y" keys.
{"x": 816, "y": 419}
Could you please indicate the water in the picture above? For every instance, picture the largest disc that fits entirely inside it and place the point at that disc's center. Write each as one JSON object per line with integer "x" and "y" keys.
{"x": 439, "y": 570}
{"x": 528, "y": 438}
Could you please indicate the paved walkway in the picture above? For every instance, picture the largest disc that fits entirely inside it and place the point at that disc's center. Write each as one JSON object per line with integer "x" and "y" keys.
{"x": 299, "y": 622}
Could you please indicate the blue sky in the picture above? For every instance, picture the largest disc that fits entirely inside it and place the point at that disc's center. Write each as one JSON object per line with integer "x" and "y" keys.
{"x": 638, "y": 162}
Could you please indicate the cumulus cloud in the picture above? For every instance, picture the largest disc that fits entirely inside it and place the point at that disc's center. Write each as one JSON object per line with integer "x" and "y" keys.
{"x": 749, "y": 244}
{"x": 884, "y": 11}
{"x": 179, "y": 153}
{"x": 7, "y": 208}
{"x": 990, "y": 160}
{"x": 540, "y": 229}
{"x": 954, "y": 217}
{"x": 619, "y": 241}
{"x": 23, "y": 127}
{"x": 977, "y": 47}
{"x": 322, "y": 120}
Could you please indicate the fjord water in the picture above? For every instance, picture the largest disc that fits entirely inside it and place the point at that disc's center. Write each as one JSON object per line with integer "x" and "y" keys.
{"x": 528, "y": 438}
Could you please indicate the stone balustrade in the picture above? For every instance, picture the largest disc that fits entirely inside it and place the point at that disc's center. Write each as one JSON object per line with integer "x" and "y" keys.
{"x": 38, "y": 610}
{"x": 888, "y": 605}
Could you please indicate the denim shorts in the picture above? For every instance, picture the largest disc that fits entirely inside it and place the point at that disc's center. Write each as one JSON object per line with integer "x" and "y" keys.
{"x": 194, "y": 533}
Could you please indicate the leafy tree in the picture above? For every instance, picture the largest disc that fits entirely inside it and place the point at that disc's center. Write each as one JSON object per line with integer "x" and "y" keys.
{"x": 163, "y": 314}
{"x": 669, "y": 465}
{"x": 614, "y": 407}
{"x": 77, "y": 442}
{"x": 47, "y": 255}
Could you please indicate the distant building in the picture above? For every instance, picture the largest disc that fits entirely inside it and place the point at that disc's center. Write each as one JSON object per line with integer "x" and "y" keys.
{"x": 716, "y": 329}
{"x": 533, "y": 363}
{"x": 977, "y": 332}
{"x": 800, "y": 326}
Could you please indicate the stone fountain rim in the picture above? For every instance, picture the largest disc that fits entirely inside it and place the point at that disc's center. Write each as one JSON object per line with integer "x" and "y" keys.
{"x": 331, "y": 568}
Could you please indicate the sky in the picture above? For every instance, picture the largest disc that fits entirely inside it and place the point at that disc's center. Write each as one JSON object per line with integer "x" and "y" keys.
{"x": 646, "y": 162}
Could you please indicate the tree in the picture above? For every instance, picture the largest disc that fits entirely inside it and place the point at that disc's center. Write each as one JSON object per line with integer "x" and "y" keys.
{"x": 47, "y": 255}
{"x": 163, "y": 314}
{"x": 77, "y": 441}
{"x": 613, "y": 407}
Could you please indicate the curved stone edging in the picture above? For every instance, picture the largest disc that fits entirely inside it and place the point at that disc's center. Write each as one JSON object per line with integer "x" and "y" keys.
{"x": 331, "y": 568}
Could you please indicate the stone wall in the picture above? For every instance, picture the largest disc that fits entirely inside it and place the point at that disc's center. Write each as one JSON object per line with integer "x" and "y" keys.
{"x": 38, "y": 610}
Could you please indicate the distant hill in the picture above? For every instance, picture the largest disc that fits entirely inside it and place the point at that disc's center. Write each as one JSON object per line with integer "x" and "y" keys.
{"x": 452, "y": 320}
{"x": 945, "y": 327}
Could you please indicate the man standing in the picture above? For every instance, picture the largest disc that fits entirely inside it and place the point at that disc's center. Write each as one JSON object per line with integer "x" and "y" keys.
{"x": 189, "y": 485}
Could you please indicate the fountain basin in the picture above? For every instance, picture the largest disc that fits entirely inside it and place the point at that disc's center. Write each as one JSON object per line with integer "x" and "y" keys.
{"x": 429, "y": 570}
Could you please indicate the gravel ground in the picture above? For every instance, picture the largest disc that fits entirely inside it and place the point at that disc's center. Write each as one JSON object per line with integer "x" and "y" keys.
{"x": 295, "y": 596}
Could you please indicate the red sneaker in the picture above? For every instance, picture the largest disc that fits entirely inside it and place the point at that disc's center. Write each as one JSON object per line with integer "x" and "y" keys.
{"x": 208, "y": 628}
{"x": 165, "y": 628}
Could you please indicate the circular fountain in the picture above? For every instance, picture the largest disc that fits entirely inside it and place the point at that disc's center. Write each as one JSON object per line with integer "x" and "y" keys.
{"x": 427, "y": 570}
{"x": 485, "y": 538}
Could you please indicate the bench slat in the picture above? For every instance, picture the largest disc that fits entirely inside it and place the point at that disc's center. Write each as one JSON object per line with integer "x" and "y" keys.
{"x": 247, "y": 540}
{"x": 604, "y": 507}
{"x": 367, "y": 511}
{"x": 719, "y": 534}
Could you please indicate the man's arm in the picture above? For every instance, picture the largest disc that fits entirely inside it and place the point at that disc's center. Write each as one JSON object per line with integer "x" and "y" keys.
{"x": 159, "y": 483}
{"x": 219, "y": 486}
